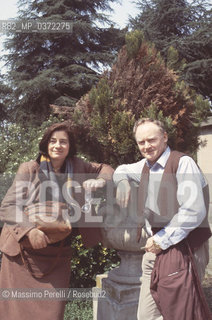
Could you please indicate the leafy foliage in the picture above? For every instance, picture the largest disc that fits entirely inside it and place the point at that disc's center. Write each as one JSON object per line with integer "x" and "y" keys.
{"x": 58, "y": 68}
{"x": 134, "y": 41}
{"x": 79, "y": 310}
{"x": 139, "y": 85}
{"x": 87, "y": 263}
{"x": 18, "y": 144}
{"x": 185, "y": 26}
{"x": 103, "y": 123}
{"x": 5, "y": 93}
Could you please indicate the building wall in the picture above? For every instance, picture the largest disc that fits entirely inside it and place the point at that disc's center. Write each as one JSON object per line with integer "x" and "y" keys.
{"x": 204, "y": 154}
{"x": 204, "y": 159}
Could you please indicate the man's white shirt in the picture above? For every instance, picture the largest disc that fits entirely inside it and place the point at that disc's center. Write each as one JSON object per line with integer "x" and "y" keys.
{"x": 192, "y": 209}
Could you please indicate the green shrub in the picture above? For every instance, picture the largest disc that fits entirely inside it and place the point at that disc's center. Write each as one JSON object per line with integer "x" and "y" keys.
{"x": 87, "y": 263}
{"x": 79, "y": 310}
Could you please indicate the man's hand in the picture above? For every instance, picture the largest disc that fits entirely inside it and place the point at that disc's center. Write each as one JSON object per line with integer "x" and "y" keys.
{"x": 123, "y": 193}
{"x": 94, "y": 184}
{"x": 37, "y": 238}
{"x": 152, "y": 246}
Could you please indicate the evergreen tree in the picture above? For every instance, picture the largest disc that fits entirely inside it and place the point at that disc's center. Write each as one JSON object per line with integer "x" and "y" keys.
{"x": 187, "y": 27}
{"x": 5, "y": 93}
{"x": 58, "y": 67}
{"x": 139, "y": 85}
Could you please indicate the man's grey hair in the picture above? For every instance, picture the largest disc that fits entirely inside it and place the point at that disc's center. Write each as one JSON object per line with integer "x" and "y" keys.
{"x": 139, "y": 122}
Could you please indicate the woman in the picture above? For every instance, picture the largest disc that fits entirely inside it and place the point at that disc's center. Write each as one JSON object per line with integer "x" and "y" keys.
{"x": 29, "y": 260}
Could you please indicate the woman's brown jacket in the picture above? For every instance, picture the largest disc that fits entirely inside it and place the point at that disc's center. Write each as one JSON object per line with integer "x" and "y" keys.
{"x": 25, "y": 190}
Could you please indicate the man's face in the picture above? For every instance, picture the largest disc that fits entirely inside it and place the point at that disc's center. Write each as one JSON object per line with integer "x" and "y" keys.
{"x": 151, "y": 141}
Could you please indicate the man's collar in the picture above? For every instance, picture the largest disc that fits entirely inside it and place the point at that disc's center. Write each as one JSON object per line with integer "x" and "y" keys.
{"x": 162, "y": 160}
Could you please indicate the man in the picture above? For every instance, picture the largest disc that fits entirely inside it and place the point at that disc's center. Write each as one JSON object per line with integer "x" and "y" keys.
{"x": 172, "y": 206}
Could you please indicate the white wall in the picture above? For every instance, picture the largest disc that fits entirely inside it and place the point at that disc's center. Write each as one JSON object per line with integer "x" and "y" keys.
{"x": 204, "y": 159}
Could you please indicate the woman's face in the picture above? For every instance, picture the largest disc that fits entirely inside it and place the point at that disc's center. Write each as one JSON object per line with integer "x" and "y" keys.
{"x": 58, "y": 146}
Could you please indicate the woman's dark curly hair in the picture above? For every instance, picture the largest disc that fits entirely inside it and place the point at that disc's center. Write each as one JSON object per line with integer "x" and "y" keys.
{"x": 62, "y": 126}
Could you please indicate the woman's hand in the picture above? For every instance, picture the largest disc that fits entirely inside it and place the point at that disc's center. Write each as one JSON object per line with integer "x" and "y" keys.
{"x": 93, "y": 184}
{"x": 37, "y": 238}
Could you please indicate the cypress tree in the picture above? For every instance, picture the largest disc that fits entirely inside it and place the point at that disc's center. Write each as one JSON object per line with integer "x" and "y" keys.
{"x": 139, "y": 85}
